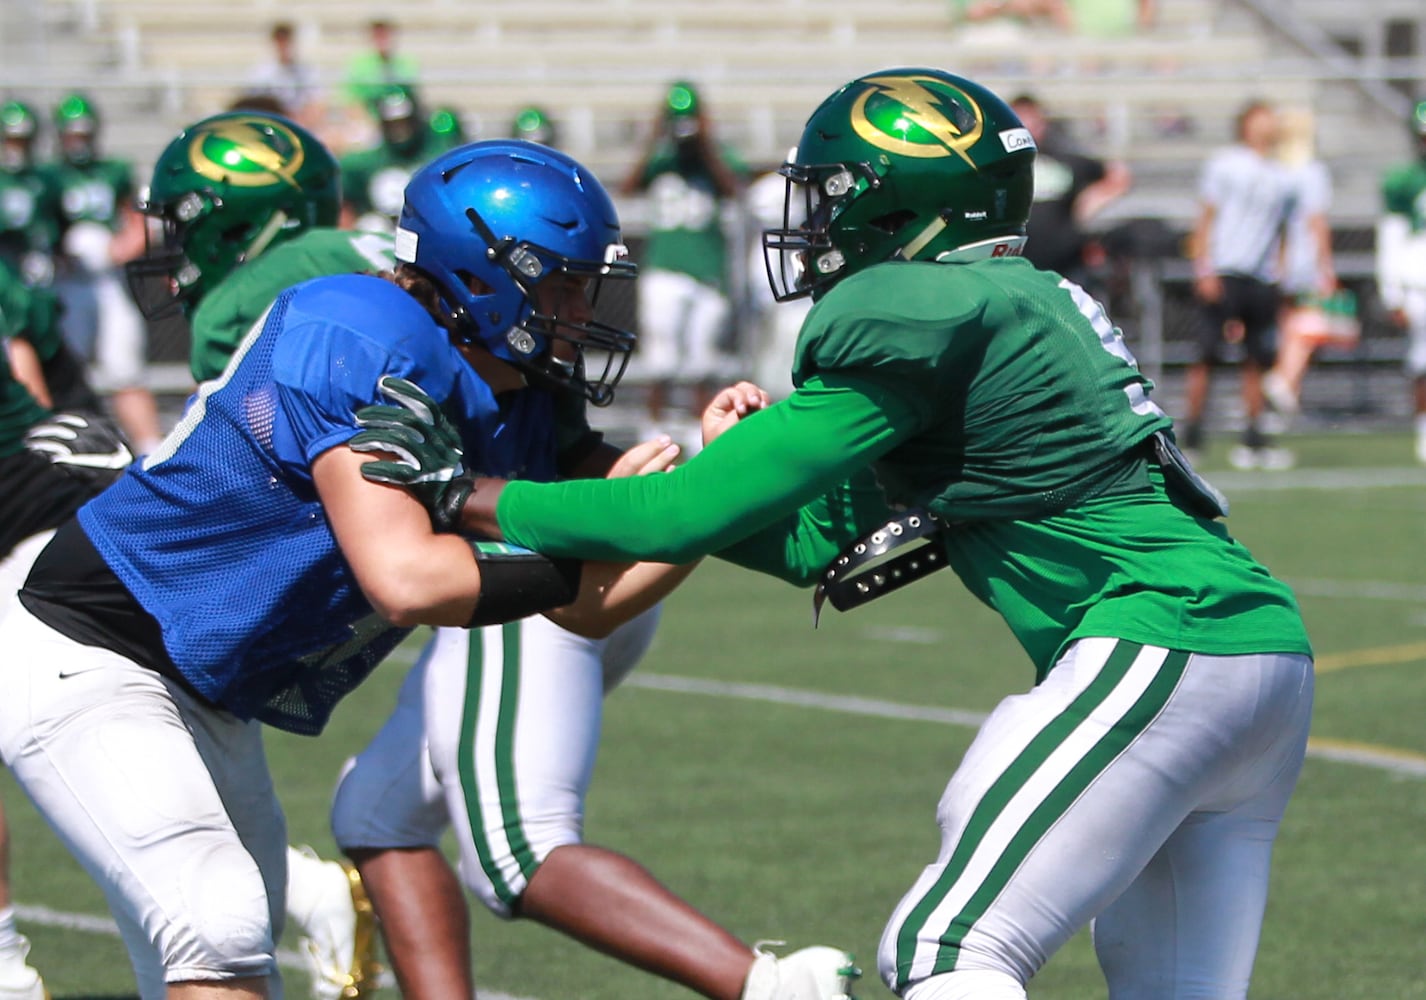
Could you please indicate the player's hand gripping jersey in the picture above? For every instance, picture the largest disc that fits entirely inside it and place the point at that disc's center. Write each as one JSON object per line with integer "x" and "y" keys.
{"x": 260, "y": 613}
{"x": 1000, "y": 398}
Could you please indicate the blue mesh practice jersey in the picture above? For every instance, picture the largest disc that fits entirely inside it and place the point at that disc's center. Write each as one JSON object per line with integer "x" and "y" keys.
{"x": 219, "y": 533}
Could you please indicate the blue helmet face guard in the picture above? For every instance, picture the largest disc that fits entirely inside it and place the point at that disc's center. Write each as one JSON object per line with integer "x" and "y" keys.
{"x": 488, "y": 223}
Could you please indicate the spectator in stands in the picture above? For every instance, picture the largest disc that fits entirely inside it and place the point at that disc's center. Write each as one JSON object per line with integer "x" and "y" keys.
{"x": 1401, "y": 263}
{"x": 27, "y": 211}
{"x": 1310, "y": 306}
{"x": 684, "y": 306}
{"x": 1245, "y": 197}
{"x": 99, "y": 231}
{"x": 371, "y": 73}
{"x": 1070, "y": 189}
{"x": 1029, "y": 13}
{"x": 1111, "y": 18}
{"x": 291, "y": 80}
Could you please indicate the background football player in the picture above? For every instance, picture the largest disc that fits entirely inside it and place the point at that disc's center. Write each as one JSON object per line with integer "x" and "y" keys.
{"x": 1401, "y": 263}
{"x": 519, "y": 706}
{"x": 27, "y": 210}
{"x": 1140, "y": 783}
{"x": 98, "y": 231}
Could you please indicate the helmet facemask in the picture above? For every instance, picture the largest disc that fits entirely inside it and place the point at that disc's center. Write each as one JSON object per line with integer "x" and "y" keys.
{"x": 800, "y": 257}
{"x": 189, "y": 250}
{"x": 563, "y": 349}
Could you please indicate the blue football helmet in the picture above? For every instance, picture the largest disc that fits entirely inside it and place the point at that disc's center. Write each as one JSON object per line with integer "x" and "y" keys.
{"x": 487, "y": 222}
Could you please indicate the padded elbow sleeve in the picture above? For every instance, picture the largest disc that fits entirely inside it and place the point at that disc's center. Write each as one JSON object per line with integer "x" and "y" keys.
{"x": 516, "y": 583}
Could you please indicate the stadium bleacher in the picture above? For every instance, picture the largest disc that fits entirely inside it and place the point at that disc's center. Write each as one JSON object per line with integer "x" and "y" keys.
{"x": 160, "y": 63}
{"x": 1160, "y": 100}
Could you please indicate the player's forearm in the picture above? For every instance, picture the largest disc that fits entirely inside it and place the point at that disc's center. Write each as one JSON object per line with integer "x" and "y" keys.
{"x": 611, "y": 594}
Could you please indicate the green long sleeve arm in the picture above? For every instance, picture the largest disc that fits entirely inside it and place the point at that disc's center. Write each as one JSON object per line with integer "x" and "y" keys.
{"x": 761, "y": 471}
{"x": 799, "y": 546}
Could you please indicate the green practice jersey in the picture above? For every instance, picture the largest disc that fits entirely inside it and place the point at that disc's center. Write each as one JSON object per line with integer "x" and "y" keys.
{"x": 91, "y": 192}
{"x": 228, "y": 312}
{"x": 27, "y": 213}
{"x": 374, "y": 180}
{"x": 29, "y": 313}
{"x": 1001, "y": 398}
{"x": 18, "y": 409}
{"x": 685, "y": 218}
{"x": 1403, "y": 192}
{"x": 32, "y": 313}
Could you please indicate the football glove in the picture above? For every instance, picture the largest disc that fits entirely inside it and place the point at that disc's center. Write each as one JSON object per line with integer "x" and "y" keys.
{"x": 85, "y": 445}
{"x": 427, "y": 447}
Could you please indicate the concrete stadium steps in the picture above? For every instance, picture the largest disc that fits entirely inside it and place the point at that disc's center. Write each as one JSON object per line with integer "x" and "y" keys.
{"x": 600, "y": 67}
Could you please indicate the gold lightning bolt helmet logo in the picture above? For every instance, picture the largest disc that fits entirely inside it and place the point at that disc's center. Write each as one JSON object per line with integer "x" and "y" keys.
{"x": 917, "y": 116}
{"x": 247, "y": 152}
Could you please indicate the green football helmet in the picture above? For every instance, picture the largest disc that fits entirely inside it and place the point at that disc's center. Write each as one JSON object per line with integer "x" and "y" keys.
{"x": 77, "y": 125}
{"x": 683, "y": 110}
{"x": 18, "y": 127}
{"x": 535, "y": 124}
{"x": 226, "y": 189}
{"x": 1418, "y": 127}
{"x": 905, "y": 164}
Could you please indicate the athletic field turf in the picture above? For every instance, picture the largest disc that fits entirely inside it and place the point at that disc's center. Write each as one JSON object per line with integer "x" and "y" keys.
{"x": 785, "y": 780}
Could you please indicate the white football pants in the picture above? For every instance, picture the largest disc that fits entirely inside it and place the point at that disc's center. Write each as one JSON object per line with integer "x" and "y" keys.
{"x": 1137, "y": 787}
{"x": 680, "y": 322}
{"x": 495, "y": 732}
{"x": 165, "y": 802}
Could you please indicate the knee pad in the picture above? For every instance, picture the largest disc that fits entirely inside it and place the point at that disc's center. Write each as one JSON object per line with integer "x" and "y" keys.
{"x": 223, "y": 927}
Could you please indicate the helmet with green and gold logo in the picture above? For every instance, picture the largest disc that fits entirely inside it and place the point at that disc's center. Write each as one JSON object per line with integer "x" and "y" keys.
{"x": 226, "y": 189}
{"x": 904, "y": 164}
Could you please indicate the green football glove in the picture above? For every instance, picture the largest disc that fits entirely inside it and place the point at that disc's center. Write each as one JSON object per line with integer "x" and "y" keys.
{"x": 426, "y": 445}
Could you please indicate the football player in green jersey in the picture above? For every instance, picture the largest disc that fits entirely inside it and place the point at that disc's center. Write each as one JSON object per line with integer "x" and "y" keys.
{"x": 685, "y": 292}
{"x": 1401, "y": 263}
{"x": 27, "y": 228}
{"x": 1140, "y": 783}
{"x": 98, "y": 231}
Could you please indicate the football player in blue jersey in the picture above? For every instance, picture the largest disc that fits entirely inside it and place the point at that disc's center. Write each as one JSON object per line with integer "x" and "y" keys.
{"x": 246, "y": 572}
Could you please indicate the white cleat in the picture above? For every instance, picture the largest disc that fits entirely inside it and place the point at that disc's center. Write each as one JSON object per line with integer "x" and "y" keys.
{"x": 338, "y": 943}
{"x": 18, "y": 981}
{"x": 815, "y": 973}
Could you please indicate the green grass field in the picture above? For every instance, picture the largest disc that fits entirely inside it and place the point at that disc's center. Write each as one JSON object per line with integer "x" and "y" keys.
{"x": 805, "y": 818}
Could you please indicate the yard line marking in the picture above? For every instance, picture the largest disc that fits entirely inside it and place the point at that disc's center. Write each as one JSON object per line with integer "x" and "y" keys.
{"x": 1318, "y": 479}
{"x": 1375, "y": 656}
{"x": 807, "y": 699}
{"x": 1389, "y": 759}
{"x": 1368, "y": 755}
{"x": 1372, "y": 590}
